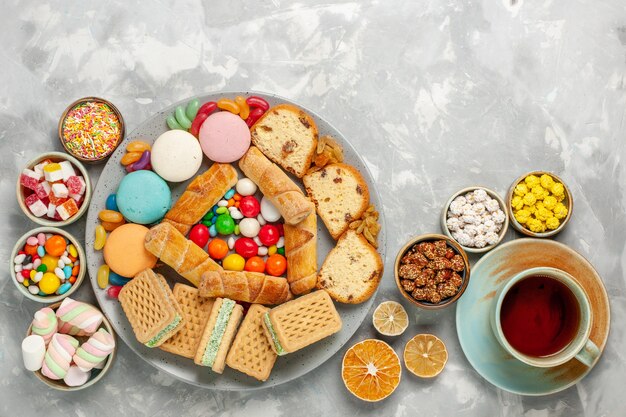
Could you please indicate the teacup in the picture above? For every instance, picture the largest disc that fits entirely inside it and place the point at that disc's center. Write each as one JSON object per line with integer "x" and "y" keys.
{"x": 542, "y": 317}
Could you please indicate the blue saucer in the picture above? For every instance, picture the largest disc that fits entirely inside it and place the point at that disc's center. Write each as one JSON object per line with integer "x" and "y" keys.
{"x": 473, "y": 310}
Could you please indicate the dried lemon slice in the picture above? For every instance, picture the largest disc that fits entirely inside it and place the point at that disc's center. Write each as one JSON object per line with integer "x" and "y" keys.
{"x": 425, "y": 355}
{"x": 390, "y": 318}
{"x": 371, "y": 370}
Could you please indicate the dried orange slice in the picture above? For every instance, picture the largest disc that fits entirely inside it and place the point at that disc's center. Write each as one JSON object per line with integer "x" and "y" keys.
{"x": 390, "y": 318}
{"x": 425, "y": 355}
{"x": 371, "y": 370}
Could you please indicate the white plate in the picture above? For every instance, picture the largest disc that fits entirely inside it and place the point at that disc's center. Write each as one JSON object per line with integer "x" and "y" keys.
{"x": 288, "y": 367}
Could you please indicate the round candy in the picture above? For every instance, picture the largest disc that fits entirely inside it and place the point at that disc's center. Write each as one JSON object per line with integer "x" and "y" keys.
{"x": 269, "y": 235}
{"x": 224, "y": 137}
{"x": 246, "y": 247}
{"x": 225, "y": 224}
{"x": 234, "y": 262}
{"x": 56, "y": 245}
{"x": 245, "y": 186}
{"x": 255, "y": 264}
{"x": 249, "y": 206}
{"x": 111, "y": 203}
{"x": 249, "y": 227}
{"x": 269, "y": 212}
{"x": 49, "y": 283}
{"x": 143, "y": 197}
{"x": 218, "y": 249}
{"x": 124, "y": 250}
{"x": 199, "y": 235}
{"x": 176, "y": 155}
{"x": 49, "y": 262}
{"x": 30, "y": 249}
{"x": 276, "y": 265}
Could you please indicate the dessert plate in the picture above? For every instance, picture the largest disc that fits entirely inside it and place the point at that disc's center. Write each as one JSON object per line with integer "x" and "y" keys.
{"x": 287, "y": 367}
{"x": 482, "y": 349}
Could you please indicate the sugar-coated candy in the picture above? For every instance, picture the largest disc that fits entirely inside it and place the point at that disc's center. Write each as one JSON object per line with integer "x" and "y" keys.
{"x": 43, "y": 190}
{"x": 76, "y": 377}
{"x": 268, "y": 235}
{"x": 276, "y": 265}
{"x": 76, "y": 185}
{"x": 262, "y": 251}
{"x": 225, "y": 224}
{"x": 59, "y": 356}
{"x": 55, "y": 246}
{"x": 249, "y": 227}
{"x": 45, "y": 324}
{"x": 249, "y": 206}
{"x": 234, "y": 262}
{"x": 67, "y": 170}
{"x": 60, "y": 190}
{"x": 67, "y": 209}
{"x": 39, "y": 167}
{"x": 77, "y": 318}
{"x": 34, "y": 290}
{"x": 33, "y": 174}
{"x": 95, "y": 350}
{"x": 28, "y": 181}
{"x": 33, "y": 352}
{"x": 281, "y": 242}
{"x": 53, "y": 172}
{"x": 35, "y": 205}
{"x": 255, "y": 264}
{"x": 49, "y": 283}
{"x": 246, "y": 187}
{"x": 269, "y": 212}
{"x": 199, "y": 235}
{"x": 231, "y": 243}
{"x": 246, "y": 247}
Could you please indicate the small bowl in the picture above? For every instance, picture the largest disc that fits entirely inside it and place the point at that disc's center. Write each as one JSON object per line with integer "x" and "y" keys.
{"x": 114, "y": 109}
{"x": 465, "y": 275}
{"x": 49, "y": 298}
{"x": 568, "y": 202}
{"x": 492, "y": 194}
{"x": 55, "y": 157}
{"x": 96, "y": 375}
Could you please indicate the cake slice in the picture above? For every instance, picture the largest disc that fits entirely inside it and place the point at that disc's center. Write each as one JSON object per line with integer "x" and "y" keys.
{"x": 196, "y": 312}
{"x": 251, "y": 352}
{"x": 351, "y": 271}
{"x": 340, "y": 195}
{"x": 288, "y": 136}
{"x": 301, "y": 322}
{"x": 151, "y": 308}
{"x": 219, "y": 334}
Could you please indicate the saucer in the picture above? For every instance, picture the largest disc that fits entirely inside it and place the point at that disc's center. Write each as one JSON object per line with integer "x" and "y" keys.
{"x": 473, "y": 310}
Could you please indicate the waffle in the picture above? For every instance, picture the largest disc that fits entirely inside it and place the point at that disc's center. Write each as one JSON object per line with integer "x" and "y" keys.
{"x": 196, "y": 312}
{"x": 151, "y": 308}
{"x": 251, "y": 352}
{"x": 301, "y": 322}
{"x": 222, "y": 339}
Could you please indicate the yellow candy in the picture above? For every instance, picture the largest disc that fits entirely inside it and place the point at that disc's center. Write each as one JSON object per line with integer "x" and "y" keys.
{"x": 536, "y": 226}
{"x": 49, "y": 283}
{"x": 543, "y": 214}
{"x": 532, "y": 181}
{"x": 531, "y": 209}
{"x": 32, "y": 273}
{"x": 103, "y": 276}
{"x": 549, "y": 202}
{"x": 272, "y": 250}
{"x": 52, "y": 167}
{"x": 234, "y": 262}
{"x": 529, "y": 199}
{"x": 520, "y": 189}
{"x": 546, "y": 181}
{"x": 50, "y": 261}
{"x": 560, "y": 211}
{"x": 72, "y": 250}
{"x": 552, "y": 223}
{"x": 538, "y": 191}
{"x": 522, "y": 216}
{"x": 539, "y": 205}
{"x": 517, "y": 203}
{"x": 558, "y": 189}
{"x": 26, "y": 283}
{"x": 101, "y": 237}
{"x": 137, "y": 146}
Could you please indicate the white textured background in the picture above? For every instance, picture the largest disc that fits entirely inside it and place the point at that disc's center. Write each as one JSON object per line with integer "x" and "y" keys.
{"x": 436, "y": 95}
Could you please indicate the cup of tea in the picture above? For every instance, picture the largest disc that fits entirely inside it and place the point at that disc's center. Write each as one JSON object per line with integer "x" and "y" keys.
{"x": 542, "y": 317}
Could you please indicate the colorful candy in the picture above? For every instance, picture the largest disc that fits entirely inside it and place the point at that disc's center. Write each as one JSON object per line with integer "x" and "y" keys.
{"x": 116, "y": 279}
{"x": 258, "y": 102}
{"x": 276, "y": 265}
{"x": 59, "y": 356}
{"x": 234, "y": 262}
{"x": 199, "y": 235}
{"x": 77, "y": 318}
{"x": 255, "y": 114}
{"x": 94, "y": 351}
{"x": 103, "y": 276}
{"x": 49, "y": 283}
{"x": 228, "y": 105}
{"x": 255, "y": 264}
{"x": 142, "y": 163}
{"x": 249, "y": 206}
{"x": 246, "y": 247}
{"x": 269, "y": 212}
{"x": 269, "y": 235}
{"x": 249, "y": 227}
{"x": 244, "y": 108}
{"x": 138, "y": 146}
{"x": 224, "y": 224}
{"x": 110, "y": 216}
{"x": 218, "y": 249}
{"x": 111, "y": 203}
{"x": 114, "y": 291}
{"x": 101, "y": 237}
{"x": 45, "y": 324}
{"x": 246, "y": 187}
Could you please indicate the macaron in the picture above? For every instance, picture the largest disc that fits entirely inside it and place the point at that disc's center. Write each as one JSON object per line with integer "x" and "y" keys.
{"x": 224, "y": 137}
{"x": 143, "y": 197}
{"x": 176, "y": 155}
{"x": 124, "y": 250}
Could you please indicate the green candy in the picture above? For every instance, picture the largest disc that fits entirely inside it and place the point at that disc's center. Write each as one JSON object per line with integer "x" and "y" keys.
{"x": 237, "y": 229}
{"x": 281, "y": 251}
{"x": 42, "y": 268}
{"x": 221, "y": 210}
{"x": 208, "y": 216}
{"x": 181, "y": 118}
{"x": 172, "y": 123}
{"x": 192, "y": 109}
{"x": 207, "y": 223}
{"x": 225, "y": 225}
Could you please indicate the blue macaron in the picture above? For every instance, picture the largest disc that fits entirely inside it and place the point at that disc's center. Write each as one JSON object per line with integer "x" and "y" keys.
{"x": 143, "y": 197}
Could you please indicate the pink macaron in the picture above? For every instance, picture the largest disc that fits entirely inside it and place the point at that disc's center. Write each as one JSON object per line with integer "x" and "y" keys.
{"x": 224, "y": 137}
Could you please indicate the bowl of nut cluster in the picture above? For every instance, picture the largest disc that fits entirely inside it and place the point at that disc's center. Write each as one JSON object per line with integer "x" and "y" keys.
{"x": 540, "y": 204}
{"x": 476, "y": 217}
{"x": 432, "y": 271}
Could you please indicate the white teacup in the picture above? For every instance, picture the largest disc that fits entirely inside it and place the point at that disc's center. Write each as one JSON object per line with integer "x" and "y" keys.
{"x": 580, "y": 346}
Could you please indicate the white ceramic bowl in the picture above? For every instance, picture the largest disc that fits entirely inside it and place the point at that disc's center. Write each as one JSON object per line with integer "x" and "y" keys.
{"x": 97, "y": 375}
{"x": 490, "y": 193}
{"x": 48, "y": 298}
{"x": 55, "y": 157}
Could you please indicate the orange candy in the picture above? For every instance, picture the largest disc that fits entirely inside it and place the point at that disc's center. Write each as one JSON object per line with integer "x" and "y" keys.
{"x": 72, "y": 279}
{"x": 231, "y": 202}
{"x": 30, "y": 249}
{"x": 237, "y": 197}
{"x": 111, "y": 216}
{"x": 276, "y": 265}
{"x": 218, "y": 249}
{"x": 75, "y": 270}
{"x": 109, "y": 227}
{"x": 56, "y": 245}
{"x": 255, "y": 264}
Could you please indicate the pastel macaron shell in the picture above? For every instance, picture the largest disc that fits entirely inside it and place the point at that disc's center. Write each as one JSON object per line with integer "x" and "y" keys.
{"x": 176, "y": 155}
{"x": 124, "y": 250}
{"x": 224, "y": 137}
{"x": 143, "y": 197}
